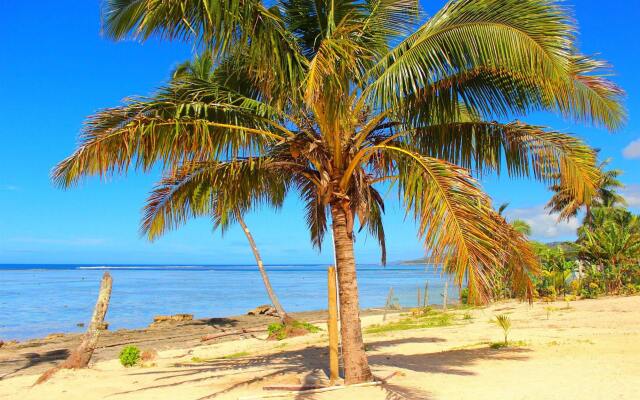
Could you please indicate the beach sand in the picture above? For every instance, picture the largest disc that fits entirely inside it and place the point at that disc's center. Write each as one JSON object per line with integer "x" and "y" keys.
{"x": 588, "y": 351}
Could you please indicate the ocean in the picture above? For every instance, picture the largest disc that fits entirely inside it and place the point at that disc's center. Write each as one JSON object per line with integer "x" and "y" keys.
{"x": 36, "y": 300}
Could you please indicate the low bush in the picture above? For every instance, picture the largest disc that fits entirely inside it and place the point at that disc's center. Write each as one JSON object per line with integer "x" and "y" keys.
{"x": 279, "y": 331}
{"x": 130, "y": 356}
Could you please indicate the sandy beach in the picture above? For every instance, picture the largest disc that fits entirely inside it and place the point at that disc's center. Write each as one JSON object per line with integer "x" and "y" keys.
{"x": 588, "y": 351}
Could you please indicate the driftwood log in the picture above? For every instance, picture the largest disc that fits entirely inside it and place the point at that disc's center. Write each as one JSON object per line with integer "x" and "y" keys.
{"x": 81, "y": 356}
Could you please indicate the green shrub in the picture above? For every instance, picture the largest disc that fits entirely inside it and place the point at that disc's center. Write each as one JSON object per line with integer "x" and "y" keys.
{"x": 282, "y": 331}
{"x": 130, "y": 356}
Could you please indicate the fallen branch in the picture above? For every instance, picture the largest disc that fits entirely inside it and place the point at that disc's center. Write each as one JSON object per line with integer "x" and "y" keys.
{"x": 301, "y": 390}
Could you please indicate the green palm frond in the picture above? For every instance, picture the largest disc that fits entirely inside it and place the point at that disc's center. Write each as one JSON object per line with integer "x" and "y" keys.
{"x": 526, "y": 150}
{"x": 180, "y": 123}
{"x": 214, "y": 189}
{"x": 454, "y": 216}
{"x": 521, "y": 45}
{"x": 329, "y": 98}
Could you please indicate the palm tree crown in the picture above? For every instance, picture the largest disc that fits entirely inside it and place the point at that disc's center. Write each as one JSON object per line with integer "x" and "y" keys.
{"x": 332, "y": 100}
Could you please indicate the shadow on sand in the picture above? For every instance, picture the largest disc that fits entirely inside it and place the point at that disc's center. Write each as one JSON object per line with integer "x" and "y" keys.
{"x": 312, "y": 360}
{"x": 32, "y": 359}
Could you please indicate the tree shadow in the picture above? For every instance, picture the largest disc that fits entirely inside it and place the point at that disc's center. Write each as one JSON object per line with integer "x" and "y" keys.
{"x": 33, "y": 359}
{"x": 448, "y": 362}
{"x": 314, "y": 359}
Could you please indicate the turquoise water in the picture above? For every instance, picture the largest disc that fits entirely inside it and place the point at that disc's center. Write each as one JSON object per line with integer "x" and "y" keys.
{"x": 36, "y": 300}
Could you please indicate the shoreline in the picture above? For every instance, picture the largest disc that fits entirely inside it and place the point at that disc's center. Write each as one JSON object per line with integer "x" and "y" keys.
{"x": 587, "y": 351}
{"x": 36, "y": 355}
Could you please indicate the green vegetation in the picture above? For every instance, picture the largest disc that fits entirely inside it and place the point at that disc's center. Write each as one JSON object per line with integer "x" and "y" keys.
{"x": 130, "y": 356}
{"x": 336, "y": 101}
{"x": 504, "y": 322}
{"x": 281, "y": 331}
{"x": 429, "y": 320}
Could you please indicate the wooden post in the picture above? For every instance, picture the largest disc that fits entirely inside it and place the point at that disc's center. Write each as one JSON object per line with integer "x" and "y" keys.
{"x": 332, "y": 326}
{"x": 387, "y": 305}
{"x": 81, "y": 356}
{"x": 445, "y": 294}
{"x": 426, "y": 294}
{"x": 419, "y": 297}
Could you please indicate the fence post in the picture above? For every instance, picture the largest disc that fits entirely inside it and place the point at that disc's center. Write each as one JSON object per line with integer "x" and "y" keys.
{"x": 426, "y": 294}
{"x": 387, "y": 304}
{"x": 444, "y": 295}
{"x": 419, "y": 297}
{"x": 332, "y": 326}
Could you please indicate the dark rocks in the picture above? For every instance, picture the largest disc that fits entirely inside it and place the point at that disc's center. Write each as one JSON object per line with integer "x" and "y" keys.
{"x": 264, "y": 310}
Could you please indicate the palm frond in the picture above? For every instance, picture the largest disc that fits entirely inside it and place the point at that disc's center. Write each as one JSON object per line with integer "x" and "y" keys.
{"x": 526, "y": 150}
{"x": 182, "y": 122}
{"x": 454, "y": 217}
{"x": 213, "y": 189}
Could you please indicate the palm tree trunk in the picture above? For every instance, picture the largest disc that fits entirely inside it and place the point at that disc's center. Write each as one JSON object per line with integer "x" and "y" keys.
{"x": 284, "y": 317}
{"x": 81, "y": 356}
{"x": 356, "y": 365}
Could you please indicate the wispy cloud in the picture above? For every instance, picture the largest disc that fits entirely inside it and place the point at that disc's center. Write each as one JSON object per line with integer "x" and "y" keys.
{"x": 632, "y": 151}
{"x": 631, "y": 193}
{"x": 545, "y": 226}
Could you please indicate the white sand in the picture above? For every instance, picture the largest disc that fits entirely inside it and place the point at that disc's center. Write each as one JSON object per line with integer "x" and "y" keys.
{"x": 590, "y": 351}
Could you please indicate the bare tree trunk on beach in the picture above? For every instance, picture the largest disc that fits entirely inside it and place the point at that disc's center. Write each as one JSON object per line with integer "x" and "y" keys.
{"x": 356, "y": 365}
{"x": 81, "y": 356}
{"x": 284, "y": 317}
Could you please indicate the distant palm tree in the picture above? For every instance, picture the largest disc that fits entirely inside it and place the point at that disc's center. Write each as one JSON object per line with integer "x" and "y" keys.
{"x": 611, "y": 242}
{"x": 333, "y": 100}
{"x": 606, "y": 195}
{"x": 202, "y": 69}
{"x": 519, "y": 225}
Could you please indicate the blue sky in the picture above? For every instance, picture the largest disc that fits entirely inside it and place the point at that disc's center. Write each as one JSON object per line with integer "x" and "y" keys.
{"x": 56, "y": 69}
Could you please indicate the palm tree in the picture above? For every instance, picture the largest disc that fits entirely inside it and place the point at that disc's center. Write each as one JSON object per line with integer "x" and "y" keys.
{"x": 334, "y": 100}
{"x": 202, "y": 68}
{"x": 567, "y": 207}
{"x": 612, "y": 243}
{"x": 519, "y": 225}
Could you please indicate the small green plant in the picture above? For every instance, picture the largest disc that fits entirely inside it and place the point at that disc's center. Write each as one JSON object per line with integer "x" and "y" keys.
{"x": 281, "y": 331}
{"x": 130, "y": 356}
{"x": 467, "y": 315}
{"x": 549, "y": 310}
{"x": 504, "y": 322}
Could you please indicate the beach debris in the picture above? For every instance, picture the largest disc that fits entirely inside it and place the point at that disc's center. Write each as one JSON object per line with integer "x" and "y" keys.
{"x": 149, "y": 355}
{"x": 80, "y": 357}
{"x": 163, "y": 319}
{"x": 264, "y": 309}
{"x": 214, "y": 336}
{"x": 102, "y": 326}
{"x": 52, "y": 336}
{"x": 80, "y": 324}
{"x": 302, "y": 390}
{"x": 1, "y": 343}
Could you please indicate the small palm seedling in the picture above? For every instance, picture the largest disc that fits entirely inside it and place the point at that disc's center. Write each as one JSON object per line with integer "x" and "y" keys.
{"x": 504, "y": 322}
